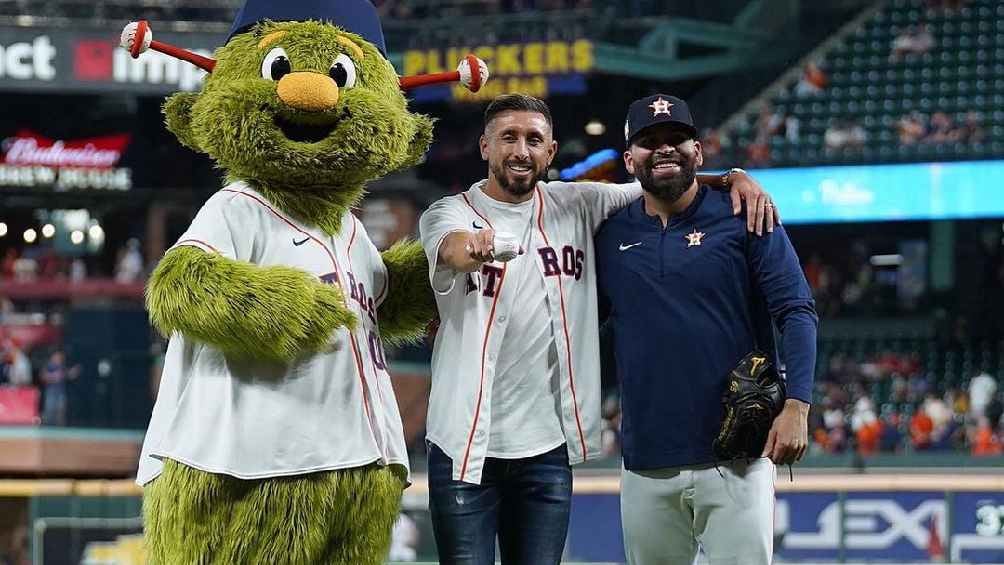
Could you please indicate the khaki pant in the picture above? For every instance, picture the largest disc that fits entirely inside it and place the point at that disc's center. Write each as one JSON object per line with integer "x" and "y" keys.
{"x": 669, "y": 514}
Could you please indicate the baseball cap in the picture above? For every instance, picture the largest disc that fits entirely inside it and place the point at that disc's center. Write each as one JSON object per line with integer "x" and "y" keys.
{"x": 356, "y": 16}
{"x": 657, "y": 109}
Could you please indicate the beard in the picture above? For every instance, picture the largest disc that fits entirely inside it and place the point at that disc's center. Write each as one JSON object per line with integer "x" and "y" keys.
{"x": 516, "y": 187}
{"x": 668, "y": 188}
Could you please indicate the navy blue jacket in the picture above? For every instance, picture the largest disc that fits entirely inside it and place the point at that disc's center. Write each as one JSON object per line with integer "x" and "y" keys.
{"x": 687, "y": 303}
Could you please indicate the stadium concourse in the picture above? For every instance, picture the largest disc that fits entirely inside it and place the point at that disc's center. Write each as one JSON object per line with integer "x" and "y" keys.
{"x": 876, "y": 126}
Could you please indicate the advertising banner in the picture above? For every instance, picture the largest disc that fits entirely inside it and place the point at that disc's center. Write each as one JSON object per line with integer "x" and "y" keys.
{"x": 539, "y": 69}
{"x": 876, "y": 193}
{"x": 854, "y": 527}
{"x": 90, "y": 60}
{"x": 30, "y": 160}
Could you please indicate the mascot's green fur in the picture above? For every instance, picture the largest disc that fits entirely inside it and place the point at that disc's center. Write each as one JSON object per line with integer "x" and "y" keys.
{"x": 308, "y": 146}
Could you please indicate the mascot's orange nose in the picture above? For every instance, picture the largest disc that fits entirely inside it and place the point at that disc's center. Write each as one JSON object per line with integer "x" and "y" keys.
{"x": 312, "y": 92}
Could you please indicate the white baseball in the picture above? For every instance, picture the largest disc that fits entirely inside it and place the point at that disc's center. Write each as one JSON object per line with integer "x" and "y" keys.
{"x": 506, "y": 246}
{"x": 464, "y": 68}
{"x": 128, "y": 37}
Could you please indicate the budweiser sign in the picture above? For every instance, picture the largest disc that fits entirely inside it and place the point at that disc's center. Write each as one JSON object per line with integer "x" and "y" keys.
{"x": 30, "y": 160}
{"x": 28, "y": 149}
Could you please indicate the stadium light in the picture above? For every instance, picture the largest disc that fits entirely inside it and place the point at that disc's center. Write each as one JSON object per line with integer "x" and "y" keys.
{"x": 3, "y": 229}
{"x": 77, "y": 237}
{"x": 30, "y": 235}
{"x": 886, "y": 260}
{"x": 595, "y": 127}
{"x": 48, "y": 230}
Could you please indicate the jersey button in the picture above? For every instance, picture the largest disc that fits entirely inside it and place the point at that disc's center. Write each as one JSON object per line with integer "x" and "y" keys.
{"x": 501, "y": 318}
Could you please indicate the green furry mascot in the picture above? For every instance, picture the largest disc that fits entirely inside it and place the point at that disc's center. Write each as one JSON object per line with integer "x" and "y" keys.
{"x": 276, "y": 437}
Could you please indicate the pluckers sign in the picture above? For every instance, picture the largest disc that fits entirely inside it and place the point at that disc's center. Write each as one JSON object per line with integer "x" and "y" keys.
{"x": 539, "y": 69}
{"x": 30, "y": 160}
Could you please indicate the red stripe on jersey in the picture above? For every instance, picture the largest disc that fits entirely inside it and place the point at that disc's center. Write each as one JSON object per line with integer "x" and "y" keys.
{"x": 200, "y": 242}
{"x": 484, "y": 349}
{"x": 334, "y": 262}
{"x": 564, "y": 324}
{"x": 475, "y": 210}
{"x": 373, "y": 352}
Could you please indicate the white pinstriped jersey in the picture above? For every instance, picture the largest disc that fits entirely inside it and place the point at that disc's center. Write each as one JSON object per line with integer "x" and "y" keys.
{"x": 473, "y": 321}
{"x": 331, "y": 410}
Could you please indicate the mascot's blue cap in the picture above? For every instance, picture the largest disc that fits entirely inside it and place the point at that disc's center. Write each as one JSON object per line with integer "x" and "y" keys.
{"x": 357, "y": 16}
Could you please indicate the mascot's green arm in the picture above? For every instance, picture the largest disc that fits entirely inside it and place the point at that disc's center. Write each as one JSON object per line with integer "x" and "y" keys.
{"x": 260, "y": 313}
{"x": 410, "y": 305}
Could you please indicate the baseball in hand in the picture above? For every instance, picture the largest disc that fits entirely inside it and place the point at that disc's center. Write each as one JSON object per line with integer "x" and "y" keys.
{"x": 506, "y": 246}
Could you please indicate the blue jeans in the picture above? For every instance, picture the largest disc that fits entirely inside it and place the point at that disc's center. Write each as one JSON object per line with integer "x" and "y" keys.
{"x": 525, "y": 502}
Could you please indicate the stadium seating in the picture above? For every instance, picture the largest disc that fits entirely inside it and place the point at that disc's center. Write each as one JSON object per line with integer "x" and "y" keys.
{"x": 962, "y": 72}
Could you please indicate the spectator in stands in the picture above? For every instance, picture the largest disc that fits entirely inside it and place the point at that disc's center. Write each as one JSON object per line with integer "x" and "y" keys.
{"x": 758, "y": 154}
{"x": 942, "y": 130}
{"x": 984, "y": 440}
{"x": 891, "y": 438}
{"x": 994, "y": 411}
{"x": 844, "y": 133}
{"x": 78, "y": 270}
{"x": 982, "y": 390}
{"x": 911, "y": 128}
{"x": 713, "y": 144}
{"x": 15, "y": 367}
{"x": 7, "y": 265}
{"x": 54, "y": 377}
{"x": 866, "y": 426}
{"x": 130, "y": 265}
{"x": 914, "y": 41}
{"x": 812, "y": 81}
{"x": 971, "y": 130}
{"x": 921, "y": 427}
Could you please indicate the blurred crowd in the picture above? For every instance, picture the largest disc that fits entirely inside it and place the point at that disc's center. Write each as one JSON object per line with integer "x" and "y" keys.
{"x": 915, "y": 415}
{"x": 44, "y": 263}
{"x": 771, "y": 126}
{"x": 49, "y": 375}
{"x": 910, "y": 414}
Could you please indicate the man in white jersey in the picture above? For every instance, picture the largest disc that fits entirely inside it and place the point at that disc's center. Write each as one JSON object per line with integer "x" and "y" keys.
{"x": 249, "y": 430}
{"x": 515, "y": 370}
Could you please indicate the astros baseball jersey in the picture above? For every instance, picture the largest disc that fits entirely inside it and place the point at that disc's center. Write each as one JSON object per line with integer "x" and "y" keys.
{"x": 330, "y": 410}
{"x": 476, "y": 309}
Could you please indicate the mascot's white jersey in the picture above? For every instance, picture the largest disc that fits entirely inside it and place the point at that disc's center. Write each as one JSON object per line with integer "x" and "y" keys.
{"x": 331, "y": 410}
{"x": 475, "y": 310}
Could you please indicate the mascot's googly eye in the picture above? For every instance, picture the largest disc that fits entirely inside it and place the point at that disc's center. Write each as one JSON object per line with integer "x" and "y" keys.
{"x": 343, "y": 70}
{"x": 276, "y": 64}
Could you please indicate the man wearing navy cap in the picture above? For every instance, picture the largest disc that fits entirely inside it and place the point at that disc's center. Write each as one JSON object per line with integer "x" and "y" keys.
{"x": 690, "y": 294}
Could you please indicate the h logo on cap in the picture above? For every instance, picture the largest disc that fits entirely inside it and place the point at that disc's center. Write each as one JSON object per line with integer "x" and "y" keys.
{"x": 660, "y": 106}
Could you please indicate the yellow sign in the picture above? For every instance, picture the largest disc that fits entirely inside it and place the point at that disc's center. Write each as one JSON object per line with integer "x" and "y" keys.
{"x": 519, "y": 59}
{"x": 125, "y": 550}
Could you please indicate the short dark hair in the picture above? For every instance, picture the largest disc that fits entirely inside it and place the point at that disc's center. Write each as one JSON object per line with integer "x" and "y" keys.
{"x": 517, "y": 103}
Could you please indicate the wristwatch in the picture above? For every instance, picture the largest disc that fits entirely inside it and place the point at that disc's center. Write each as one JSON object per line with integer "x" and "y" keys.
{"x": 727, "y": 175}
